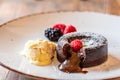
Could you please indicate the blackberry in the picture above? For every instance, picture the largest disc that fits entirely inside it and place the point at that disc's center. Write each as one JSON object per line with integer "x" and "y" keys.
{"x": 53, "y": 34}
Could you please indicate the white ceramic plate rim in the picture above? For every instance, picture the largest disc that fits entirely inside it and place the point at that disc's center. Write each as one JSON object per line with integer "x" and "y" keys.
{"x": 20, "y": 72}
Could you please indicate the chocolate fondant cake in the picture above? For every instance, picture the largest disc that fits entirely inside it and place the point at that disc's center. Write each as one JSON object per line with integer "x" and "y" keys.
{"x": 93, "y": 53}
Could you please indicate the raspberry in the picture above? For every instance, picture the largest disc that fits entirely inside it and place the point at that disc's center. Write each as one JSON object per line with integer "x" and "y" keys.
{"x": 60, "y": 26}
{"x": 53, "y": 34}
{"x": 76, "y": 44}
{"x": 69, "y": 29}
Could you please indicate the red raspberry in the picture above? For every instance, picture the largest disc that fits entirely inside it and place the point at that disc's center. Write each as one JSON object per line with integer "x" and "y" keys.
{"x": 69, "y": 29}
{"x": 60, "y": 26}
{"x": 76, "y": 44}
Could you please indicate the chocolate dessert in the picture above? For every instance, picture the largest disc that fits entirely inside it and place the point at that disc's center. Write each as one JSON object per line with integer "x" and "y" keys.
{"x": 93, "y": 53}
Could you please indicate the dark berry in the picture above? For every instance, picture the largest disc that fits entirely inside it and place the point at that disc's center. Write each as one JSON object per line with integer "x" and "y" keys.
{"x": 53, "y": 34}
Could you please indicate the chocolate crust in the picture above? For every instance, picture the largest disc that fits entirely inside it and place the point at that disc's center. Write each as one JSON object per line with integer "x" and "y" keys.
{"x": 96, "y": 52}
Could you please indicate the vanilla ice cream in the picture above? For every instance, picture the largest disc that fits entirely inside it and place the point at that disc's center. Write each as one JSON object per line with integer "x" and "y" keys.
{"x": 40, "y": 52}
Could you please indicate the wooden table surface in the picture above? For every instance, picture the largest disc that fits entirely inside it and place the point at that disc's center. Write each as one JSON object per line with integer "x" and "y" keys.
{"x": 11, "y": 9}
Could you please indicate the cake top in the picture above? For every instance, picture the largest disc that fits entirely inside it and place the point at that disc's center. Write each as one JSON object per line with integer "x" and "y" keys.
{"x": 89, "y": 39}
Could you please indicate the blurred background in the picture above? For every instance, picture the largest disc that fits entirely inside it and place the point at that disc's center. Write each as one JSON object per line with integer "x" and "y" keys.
{"x": 16, "y": 8}
{"x": 11, "y": 9}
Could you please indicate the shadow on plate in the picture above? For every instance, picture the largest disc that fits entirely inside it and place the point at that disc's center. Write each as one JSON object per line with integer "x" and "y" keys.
{"x": 111, "y": 64}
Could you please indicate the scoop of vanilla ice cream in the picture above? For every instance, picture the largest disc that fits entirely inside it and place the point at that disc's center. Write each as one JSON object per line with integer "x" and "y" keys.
{"x": 40, "y": 52}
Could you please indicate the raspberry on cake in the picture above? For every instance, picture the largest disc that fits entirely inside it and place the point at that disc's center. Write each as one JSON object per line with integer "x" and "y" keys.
{"x": 76, "y": 44}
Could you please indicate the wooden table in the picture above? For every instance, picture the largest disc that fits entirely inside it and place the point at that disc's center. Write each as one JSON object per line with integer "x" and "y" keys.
{"x": 11, "y": 9}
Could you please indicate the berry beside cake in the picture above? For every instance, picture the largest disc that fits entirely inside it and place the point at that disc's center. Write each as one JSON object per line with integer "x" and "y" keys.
{"x": 58, "y": 30}
{"x": 78, "y": 50}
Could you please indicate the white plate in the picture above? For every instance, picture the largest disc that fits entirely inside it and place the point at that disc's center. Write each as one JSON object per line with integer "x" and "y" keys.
{"x": 14, "y": 34}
